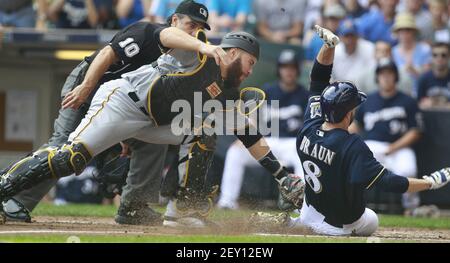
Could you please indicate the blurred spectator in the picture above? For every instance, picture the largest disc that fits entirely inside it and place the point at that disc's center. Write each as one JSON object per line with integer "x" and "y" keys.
{"x": 354, "y": 9}
{"x": 353, "y": 55}
{"x": 228, "y": 15}
{"x": 73, "y": 14}
{"x": 280, "y": 21}
{"x": 130, "y": 11}
{"x": 106, "y": 14}
{"x": 312, "y": 14}
{"x": 376, "y": 25}
{"x": 367, "y": 81}
{"x": 332, "y": 16}
{"x": 20, "y": 13}
{"x": 162, "y": 9}
{"x": 422, "y": 16}
{"x": 440, "y": 29}
{"x": 292, "y": 99}
{"x": 434, "y": 85}
{"x": 391, "y": 122}
{"x": 78, "y": 189}
{"x": 410, "y": 54}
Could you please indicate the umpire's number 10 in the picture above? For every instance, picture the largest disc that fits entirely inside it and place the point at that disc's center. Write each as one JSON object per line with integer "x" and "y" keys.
{"x": 129, "y": 47}
{"x": 312, "y": 174}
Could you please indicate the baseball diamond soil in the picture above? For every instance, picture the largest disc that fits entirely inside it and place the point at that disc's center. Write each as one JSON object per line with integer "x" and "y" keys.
{"x": 105, "y": 226}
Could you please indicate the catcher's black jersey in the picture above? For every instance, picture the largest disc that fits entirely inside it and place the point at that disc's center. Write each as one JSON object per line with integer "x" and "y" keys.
{"x": 136, "y": 45}
{"x": 338, "y": 167}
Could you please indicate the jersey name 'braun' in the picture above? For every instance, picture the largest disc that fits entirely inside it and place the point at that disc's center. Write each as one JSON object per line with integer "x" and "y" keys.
{"x": 318, "y": 151}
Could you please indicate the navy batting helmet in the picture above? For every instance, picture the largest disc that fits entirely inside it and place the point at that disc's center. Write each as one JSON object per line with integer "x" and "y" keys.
{"x": 339, "y": 98}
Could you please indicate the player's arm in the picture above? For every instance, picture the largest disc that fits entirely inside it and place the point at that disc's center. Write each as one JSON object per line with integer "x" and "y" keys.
{"x": 104, "y": 59}
{"x": 323, "y": 64}
{"x": 391, "y": 182}
{"x": 172, "y": 37}
{"x": 124, "y": 47}
{"x": 415, "y": 126}
{"x": 320, "y": 73}
{"x": 408, "y": 139}
{"x": 291, "y": 187}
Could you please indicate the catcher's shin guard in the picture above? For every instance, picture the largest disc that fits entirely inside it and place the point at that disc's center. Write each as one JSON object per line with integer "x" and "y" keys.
{"x": 43, "y": 164}
{"x": 193, "y": 195}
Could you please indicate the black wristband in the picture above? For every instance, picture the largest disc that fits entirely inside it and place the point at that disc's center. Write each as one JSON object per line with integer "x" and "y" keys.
{"x": 321, "y": 72}
{"x": 249, "y": 140}
{"x": 270, "y": 162}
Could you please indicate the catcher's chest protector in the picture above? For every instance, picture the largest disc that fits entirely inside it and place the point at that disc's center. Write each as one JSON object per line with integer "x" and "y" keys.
{"x": 206, "y": 79}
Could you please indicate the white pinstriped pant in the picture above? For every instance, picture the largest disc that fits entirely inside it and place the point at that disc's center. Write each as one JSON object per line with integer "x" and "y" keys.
{"x": 113, "y": 117}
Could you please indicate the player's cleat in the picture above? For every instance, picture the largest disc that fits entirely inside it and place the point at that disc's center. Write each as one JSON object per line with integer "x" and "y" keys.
{"x": 184, "y": 222}
{"x": 138, "y": 215}
{"x": 330, "y": 39}
{"x": 228, "y": 205}
{"x": 189, "y": 222}
{"x": 13, "y": 210}
{"x": 267, "y": 220}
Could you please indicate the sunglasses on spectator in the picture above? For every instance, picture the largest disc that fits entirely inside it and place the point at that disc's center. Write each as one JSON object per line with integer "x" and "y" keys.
{"x": 442, "y": 55}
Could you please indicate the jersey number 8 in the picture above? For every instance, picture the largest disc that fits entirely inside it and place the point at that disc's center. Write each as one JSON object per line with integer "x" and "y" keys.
{"x": 129, "y": 47}
{"x": 312, "y": 174}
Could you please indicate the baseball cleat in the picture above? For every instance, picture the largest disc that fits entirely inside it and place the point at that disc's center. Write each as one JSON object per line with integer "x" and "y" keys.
{"x": 142, "y": 215}
{"x": 13, "y": 210}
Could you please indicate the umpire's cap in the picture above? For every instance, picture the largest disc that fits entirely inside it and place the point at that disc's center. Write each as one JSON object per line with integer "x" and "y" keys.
{"x": 338, "y": 99}
{"x": 242, "y": 40}
{"x": 196, "y": 11}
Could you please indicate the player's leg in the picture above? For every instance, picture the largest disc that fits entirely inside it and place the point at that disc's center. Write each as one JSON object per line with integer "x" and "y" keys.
{"x": 19, "y": 207}
{"x": 102, "y": 127}
{"x": 193, "y": 200}
{"x": 143, "y": 183}
{"x": 366, "y": 225}
{"x": 236, "y": 159}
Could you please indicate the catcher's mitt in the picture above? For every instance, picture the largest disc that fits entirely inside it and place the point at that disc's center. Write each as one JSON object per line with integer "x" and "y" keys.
{"x": 112, "y": 176}
{"x": 292, "y": 190}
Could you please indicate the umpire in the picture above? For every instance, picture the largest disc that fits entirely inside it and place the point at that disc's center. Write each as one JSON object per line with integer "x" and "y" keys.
{"x": 131, "y": 48}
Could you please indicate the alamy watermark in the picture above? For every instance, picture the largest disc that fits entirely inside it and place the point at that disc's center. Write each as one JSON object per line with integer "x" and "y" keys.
{"x": 241, "y": 117}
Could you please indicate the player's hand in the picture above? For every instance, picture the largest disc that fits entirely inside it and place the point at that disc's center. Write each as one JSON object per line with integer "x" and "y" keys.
{"x": 439, "y": 178}
{"x": 76, "y": 97}
{"x": 215, "y": 52}
{"x": 292, "y": 190}
{"x": 330, "y": 39}
{"x": 279, "y": 37}
{"x": 126, "y": 152}
{"x": 390, "y": 150}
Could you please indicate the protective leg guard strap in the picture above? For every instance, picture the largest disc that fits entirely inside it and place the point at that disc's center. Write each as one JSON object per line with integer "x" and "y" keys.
{"x": 193, "y": 194}
{"x": 43, "y": 164}
{"x": 70, "y": 159}
{"x": 26, "y": 173}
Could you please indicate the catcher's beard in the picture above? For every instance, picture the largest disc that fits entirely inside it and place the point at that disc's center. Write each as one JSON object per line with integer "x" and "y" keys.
{"x": 234, "y": 73}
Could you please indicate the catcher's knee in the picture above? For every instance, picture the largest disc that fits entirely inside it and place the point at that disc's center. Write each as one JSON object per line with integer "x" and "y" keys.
{"x": 69, "y": 159}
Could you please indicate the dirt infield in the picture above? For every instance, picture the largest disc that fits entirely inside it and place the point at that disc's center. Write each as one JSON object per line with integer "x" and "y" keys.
{"x": 107, "y": 226}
